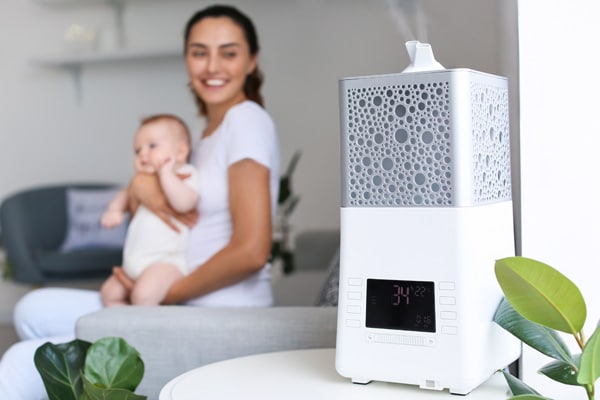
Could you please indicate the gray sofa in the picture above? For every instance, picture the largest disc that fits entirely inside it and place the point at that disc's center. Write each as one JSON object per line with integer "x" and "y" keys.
{"x": 175, "y": 339}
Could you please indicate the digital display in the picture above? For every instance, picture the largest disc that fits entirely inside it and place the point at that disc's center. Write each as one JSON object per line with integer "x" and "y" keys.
{"x": 403, "y": 305}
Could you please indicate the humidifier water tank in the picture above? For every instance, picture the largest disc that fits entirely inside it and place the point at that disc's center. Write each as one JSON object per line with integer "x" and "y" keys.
{"x": 426, "y": 211}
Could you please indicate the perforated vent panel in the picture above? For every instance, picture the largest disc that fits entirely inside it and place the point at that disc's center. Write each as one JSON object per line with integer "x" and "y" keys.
{"x": 491, "y": 144}
{"x": 401, "y": 142}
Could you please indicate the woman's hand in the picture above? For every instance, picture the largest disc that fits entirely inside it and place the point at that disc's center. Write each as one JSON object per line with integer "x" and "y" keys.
{"x": 146, "y": 189}
{"x": 172, "y": 297}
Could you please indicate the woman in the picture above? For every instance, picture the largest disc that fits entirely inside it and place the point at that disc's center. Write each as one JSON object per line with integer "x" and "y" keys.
{"x": 238, "y": 162}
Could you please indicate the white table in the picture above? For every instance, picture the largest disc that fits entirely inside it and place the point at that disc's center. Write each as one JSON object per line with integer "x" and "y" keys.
{"x": 300, "y": 374}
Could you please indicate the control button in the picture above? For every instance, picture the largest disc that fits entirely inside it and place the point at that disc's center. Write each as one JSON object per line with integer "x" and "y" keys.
{"x": 353, "y": 309}
{"x": 407, "y": 340}
{"x": 354, "y": 281}
{"x": 447, "y": 300}
{"x": 353, "y": 323}
{"x": 446, "y": 285}
{"x": 354, "y": 295}
{"x": 448, "y": 315}
{"x": 449, "y": 330}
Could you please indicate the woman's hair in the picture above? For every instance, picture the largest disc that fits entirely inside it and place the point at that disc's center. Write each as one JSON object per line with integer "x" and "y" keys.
{"x": 255, "y": 79}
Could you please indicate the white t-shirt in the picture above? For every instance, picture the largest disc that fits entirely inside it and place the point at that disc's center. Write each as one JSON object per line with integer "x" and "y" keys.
{"x": 247, "y": 132}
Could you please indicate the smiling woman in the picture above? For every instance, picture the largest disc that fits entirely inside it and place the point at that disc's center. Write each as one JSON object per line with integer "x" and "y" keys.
{"x": 237, "y": 158}
{"x": 221, "y": 55}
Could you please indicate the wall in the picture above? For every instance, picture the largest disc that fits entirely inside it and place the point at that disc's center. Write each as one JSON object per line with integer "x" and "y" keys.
{"x": 560, "y": 139}
{"x": 48, "y": 136}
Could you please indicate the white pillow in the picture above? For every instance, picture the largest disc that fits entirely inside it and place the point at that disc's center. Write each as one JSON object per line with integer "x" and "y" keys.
{"x": 84, "y": 211}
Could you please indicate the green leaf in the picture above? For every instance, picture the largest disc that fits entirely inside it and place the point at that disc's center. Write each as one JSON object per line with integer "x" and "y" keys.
{"x": 542, "y": 339}
{"x": 93, "y": 392}
{"x": 589, "y": 368}
{"x": 112, "y": 363}
{"x": 60, "y": 367}
{"x": 529, "y": 397}
{"x": 561, "y": 372}
{"x": 517, "y": 386}
{"x": 541, "y": 294}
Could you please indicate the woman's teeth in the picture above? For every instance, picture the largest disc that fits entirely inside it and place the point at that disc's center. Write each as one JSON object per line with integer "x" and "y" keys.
{"x": 215, "y": 82}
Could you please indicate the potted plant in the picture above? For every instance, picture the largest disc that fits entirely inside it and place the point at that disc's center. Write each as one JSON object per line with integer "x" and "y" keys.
{"x": 539, "y": 301}
{"x": 108, "y": 369}
{"x": 286, "y": 203}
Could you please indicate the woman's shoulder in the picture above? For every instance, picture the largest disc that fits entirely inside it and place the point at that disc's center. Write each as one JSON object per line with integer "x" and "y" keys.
{"x": 249, "y": 111}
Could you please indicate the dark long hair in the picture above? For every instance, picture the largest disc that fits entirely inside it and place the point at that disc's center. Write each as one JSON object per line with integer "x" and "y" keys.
{"x": 255, "y": 79}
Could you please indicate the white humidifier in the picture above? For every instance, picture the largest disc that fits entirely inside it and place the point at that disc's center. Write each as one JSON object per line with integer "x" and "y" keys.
{"x": 426, "y": 211}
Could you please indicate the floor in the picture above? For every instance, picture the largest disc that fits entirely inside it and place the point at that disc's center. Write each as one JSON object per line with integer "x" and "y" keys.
{"x": 10, "y": 293}
{"x": 7, "y": 337}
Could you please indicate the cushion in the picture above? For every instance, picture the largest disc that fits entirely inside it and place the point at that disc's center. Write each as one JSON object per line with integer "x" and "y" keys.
{"x": 328, "y": 296}
{"x": 84, "y": 212}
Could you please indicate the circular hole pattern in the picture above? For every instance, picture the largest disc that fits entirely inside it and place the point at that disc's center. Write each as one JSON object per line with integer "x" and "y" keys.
{"x": 399, "y": 138}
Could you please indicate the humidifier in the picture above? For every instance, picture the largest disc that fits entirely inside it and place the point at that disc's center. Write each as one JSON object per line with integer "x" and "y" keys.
{"x": 426, "y": 210}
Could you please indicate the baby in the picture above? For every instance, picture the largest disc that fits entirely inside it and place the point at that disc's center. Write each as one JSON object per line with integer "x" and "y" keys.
{"x": 154, "y": 254}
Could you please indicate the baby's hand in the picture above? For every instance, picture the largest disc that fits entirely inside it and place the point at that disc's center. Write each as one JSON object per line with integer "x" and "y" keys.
{"x": 112, "y": 218}
{"x": 168, "y": 165}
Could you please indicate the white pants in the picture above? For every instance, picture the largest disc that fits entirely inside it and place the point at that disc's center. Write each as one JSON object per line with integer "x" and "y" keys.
{"x": 43, "y": 315}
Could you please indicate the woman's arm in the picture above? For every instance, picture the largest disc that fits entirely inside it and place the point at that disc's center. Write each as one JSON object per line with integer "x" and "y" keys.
{"x": 146, "y": 189}
{"x": 250, "y": 244}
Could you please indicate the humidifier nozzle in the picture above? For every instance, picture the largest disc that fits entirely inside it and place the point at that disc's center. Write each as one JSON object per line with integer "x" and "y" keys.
{"x": 421, "y": 57}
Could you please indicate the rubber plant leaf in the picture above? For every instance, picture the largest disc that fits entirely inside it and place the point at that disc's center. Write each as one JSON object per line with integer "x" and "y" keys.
{"x": 541, "y": 294}
{"x": 517, "y": 386}
{"x": 561, "y": 372}
{"x": 111, "y": 363}
{"x": 542, "y": 339}
{"x": 589, "y": 367}
{"x": 60, "y": 367}
{"x": 93, "y": 392}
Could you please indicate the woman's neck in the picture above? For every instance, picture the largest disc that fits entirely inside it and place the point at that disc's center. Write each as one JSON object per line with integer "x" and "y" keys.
{"x": 216, "y": 113}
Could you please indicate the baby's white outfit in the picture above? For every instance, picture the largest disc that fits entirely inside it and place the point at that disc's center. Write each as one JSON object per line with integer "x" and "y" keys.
{"x": 150, "y": 240}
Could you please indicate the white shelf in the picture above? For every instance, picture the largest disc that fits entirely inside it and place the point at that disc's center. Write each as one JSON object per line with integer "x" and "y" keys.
{"x": 76, "y": 2}
{"x": 74, "y": 61}
{"x": 81, "y": 58}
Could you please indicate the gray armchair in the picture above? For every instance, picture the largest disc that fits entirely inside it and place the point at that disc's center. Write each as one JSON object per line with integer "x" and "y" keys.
{"x": 33, "y": 223}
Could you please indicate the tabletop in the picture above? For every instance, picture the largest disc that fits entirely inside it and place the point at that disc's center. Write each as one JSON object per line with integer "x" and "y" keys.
{"x": 300, "y": 374}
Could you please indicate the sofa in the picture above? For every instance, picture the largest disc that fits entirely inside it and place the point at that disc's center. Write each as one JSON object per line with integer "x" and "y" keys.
{"x": 175, "y": 339}
{"x": 52, "y": 233}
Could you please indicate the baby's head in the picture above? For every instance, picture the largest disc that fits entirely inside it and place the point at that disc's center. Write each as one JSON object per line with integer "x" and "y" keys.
{"x": 160, "y": 138}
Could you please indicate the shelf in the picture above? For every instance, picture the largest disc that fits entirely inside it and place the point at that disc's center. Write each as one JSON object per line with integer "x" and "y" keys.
{"x": 73, "y": 62}
{"x": 76, "y": 2}
{"x": 77, "y": 59}
{"x": 117, "y": 6}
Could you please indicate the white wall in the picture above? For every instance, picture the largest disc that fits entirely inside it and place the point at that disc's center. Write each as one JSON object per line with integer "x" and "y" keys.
{"x": 560, "y": 138}
{"x": 48, "y": 137}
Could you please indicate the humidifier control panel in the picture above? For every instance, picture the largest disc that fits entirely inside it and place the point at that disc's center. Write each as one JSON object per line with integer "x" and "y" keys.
{"x": 401, "y": 305}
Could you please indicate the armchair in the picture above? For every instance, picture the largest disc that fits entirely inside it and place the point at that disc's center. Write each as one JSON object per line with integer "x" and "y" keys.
{"x": 34, "y": 223}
